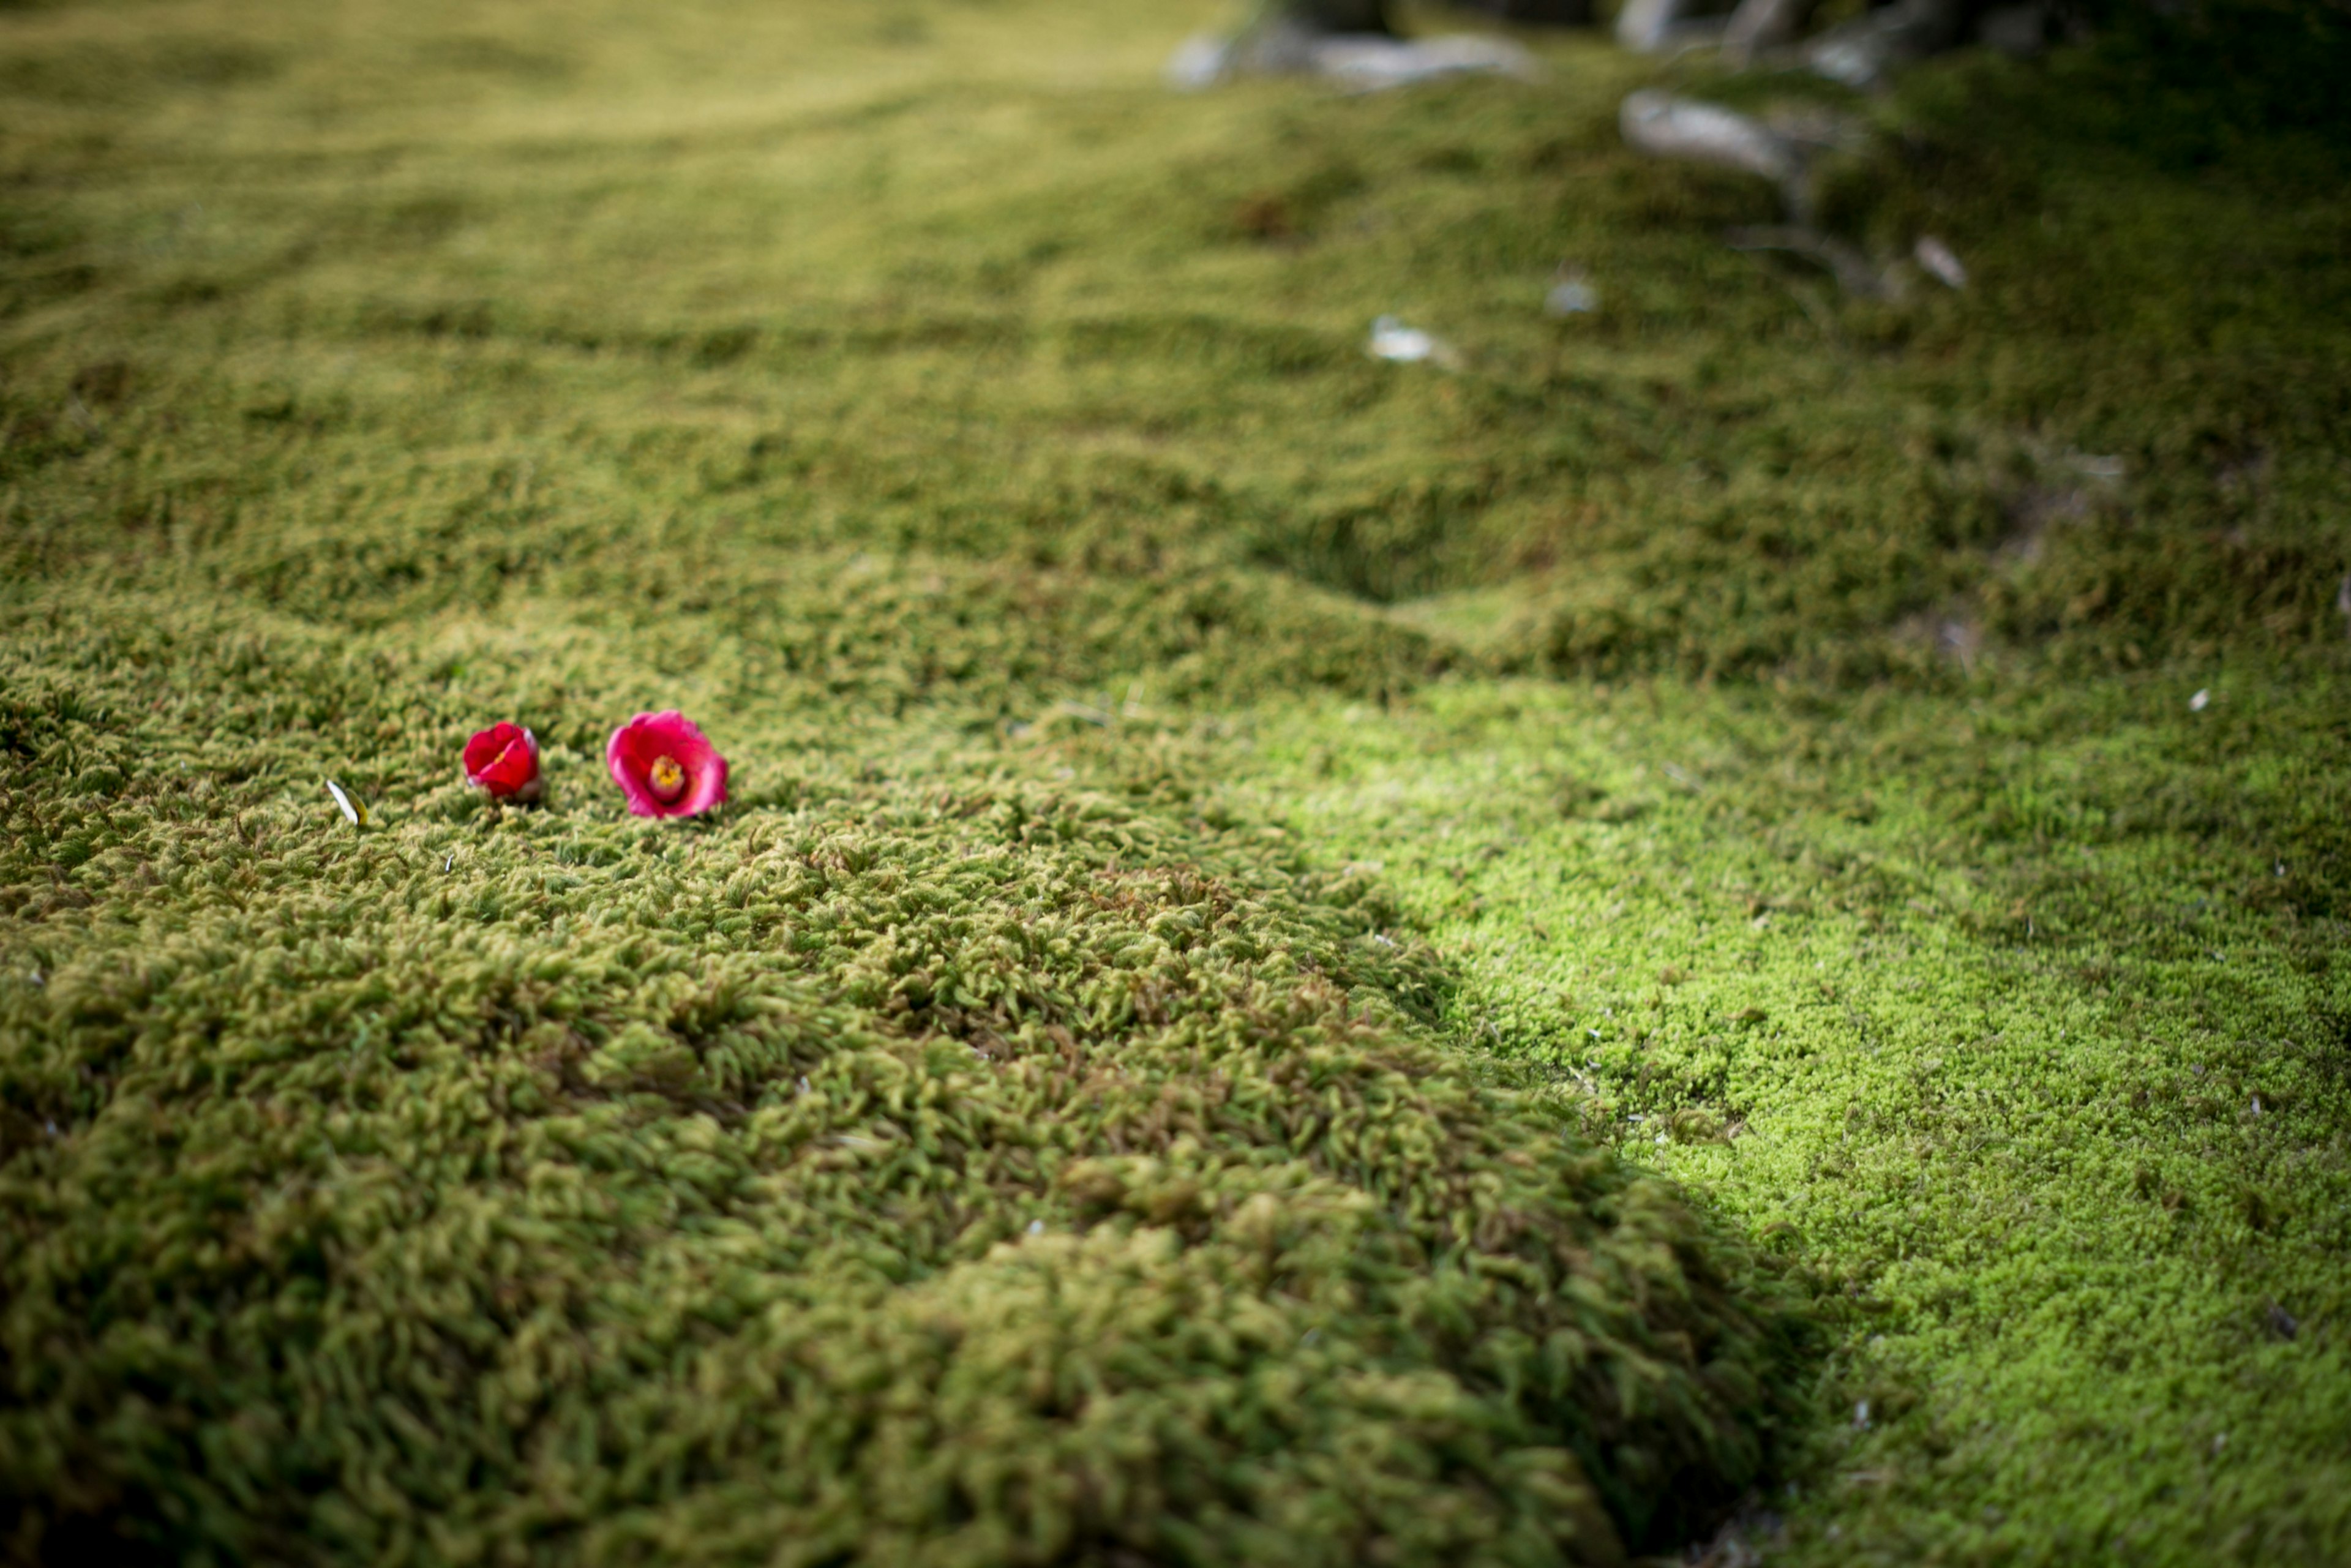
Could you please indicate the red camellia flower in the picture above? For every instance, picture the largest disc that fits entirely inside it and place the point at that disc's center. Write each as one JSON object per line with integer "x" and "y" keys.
{"x": 665, "y": 766}
{"x": 504, "y": 761}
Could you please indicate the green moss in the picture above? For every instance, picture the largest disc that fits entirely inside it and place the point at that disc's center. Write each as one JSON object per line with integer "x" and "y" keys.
{"x": 2021, "y": 1015}
{"x": 936, "y": 1162}
{"x": 1143, "y": 1066}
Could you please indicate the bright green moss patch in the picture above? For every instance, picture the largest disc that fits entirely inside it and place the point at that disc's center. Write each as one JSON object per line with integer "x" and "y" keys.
{"x": 1202, "y": 1036}
{"x": 2024, "y": 1016}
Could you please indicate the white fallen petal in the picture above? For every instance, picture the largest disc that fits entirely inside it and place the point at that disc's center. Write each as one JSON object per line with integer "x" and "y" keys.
{"x": 1391, "y": 339}
{"x": 1572, "y": 298}
{"x": 2200, "y": 702}
{"x": 354, "y": 811}
{"x": 1399, "y": 344}
{"x": 1937, "y": 258}
{"x": 1854, "y": 62}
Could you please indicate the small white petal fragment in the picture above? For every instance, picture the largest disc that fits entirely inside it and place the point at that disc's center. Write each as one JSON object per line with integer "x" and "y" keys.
{"x": 1399, "y": 344}
{"x": 1940, "y": 264}
{"x": 1571, "y": 297}
{"x": 354, "y": 810}
{"x": 2200, "y": 702}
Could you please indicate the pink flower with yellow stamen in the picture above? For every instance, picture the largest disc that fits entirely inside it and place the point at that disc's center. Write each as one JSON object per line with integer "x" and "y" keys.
{"x": 665, "y": 767}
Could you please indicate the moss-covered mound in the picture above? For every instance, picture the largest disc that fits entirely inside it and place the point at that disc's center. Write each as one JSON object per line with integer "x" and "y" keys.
{"x": 960, "y": 1169}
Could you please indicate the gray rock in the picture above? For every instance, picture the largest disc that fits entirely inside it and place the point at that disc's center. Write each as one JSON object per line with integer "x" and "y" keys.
{"x": 1863, "y": 52}
{"x": 1370, "y": 64}
{"x": 1362, "y": 61}
{"x": 1663, "y": 26}
{"x": 1665, "y": 126}
{"x": 1760, "y": 26}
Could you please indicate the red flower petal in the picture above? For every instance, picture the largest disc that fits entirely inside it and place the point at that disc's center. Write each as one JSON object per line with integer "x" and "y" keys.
{"x": 504, "y": 761}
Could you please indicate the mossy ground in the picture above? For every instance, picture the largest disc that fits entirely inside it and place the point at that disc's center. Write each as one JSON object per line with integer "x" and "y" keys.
{"x": 1268, "y": 820}
{"x": 1998, "y": 1007}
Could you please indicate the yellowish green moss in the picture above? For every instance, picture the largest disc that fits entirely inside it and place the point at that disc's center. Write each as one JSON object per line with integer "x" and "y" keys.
{"x": 1240, "y": 853}
{"x": 2021, "y": 1017}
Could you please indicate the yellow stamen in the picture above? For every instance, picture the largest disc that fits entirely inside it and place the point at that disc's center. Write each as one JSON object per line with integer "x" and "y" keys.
{"x": 666, "y": 778}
